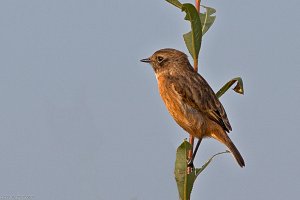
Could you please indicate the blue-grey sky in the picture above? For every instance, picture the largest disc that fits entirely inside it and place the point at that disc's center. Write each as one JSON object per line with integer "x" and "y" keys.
{"x": 81, "y": 117}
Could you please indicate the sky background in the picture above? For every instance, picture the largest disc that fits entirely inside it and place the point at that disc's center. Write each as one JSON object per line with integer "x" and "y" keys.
{"x": 81, "y": 117}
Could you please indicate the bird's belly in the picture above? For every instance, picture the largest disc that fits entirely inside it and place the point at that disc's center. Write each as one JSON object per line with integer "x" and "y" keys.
{"x": 188, "y": 118}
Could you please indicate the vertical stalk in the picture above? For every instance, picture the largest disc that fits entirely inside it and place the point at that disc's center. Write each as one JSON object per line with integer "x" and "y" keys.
{"x": 197, "y": 5}
{"x": 191, "y": 139}
{"x": 196, "y": 65}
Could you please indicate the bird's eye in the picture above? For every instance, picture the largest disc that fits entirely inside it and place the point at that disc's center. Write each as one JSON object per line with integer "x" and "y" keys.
{"x": 160, "y": 59}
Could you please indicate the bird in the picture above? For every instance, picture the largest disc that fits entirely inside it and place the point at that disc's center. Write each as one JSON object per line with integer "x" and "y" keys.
{"x": 190, "y": 100}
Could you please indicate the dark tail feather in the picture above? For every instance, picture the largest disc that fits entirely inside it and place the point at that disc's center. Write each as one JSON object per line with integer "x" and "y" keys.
{"x": 235, "y": 152}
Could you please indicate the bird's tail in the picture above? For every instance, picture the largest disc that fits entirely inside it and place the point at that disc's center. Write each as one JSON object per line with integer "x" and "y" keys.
{"x": 227, "y": 141}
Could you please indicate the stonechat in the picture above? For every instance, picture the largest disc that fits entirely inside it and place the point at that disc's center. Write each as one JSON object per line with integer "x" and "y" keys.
{"x": 190, "y": 100}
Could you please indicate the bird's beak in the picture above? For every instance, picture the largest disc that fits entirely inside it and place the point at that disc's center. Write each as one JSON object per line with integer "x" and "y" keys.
{"x": 146, "y": 60}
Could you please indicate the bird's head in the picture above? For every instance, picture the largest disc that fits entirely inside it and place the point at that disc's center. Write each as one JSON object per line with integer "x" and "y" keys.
{"x": 167, "y": 59}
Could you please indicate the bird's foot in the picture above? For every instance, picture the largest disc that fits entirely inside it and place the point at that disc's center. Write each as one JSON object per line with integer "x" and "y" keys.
{"x": 191, "y": 164}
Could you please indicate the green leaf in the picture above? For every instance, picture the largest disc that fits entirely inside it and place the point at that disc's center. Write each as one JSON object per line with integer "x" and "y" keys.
{"x": 175, "y": 3}
{"x": 207, "y": 19}
{"x": 238, "y": 88}
{"x": 188, "y": 39}
{"x": 209, "y": 10}
{"x": 193, "y": 38}
{"x": 185, "y": 182}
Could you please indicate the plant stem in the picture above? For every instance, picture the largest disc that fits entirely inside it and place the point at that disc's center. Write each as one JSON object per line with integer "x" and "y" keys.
{"x": 197, "y": 5}
{"x": 196, "y": 65}
{"x": 191, "y": 139}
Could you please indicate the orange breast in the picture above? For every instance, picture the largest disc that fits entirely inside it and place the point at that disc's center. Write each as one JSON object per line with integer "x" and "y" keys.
{"x": 186, "y": 117}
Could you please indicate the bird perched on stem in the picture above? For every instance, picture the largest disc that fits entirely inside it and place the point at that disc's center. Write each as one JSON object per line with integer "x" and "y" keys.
{"x": 190, "y": 100}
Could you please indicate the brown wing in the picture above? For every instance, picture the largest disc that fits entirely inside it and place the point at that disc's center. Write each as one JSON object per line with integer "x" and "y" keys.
{"x": 196, "y": 92}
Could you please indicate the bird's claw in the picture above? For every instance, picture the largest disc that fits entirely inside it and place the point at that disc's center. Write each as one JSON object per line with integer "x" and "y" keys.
{"x": 191, "y": 164}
